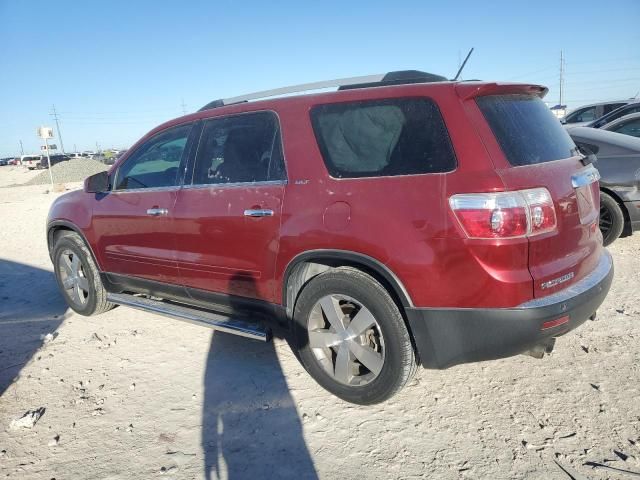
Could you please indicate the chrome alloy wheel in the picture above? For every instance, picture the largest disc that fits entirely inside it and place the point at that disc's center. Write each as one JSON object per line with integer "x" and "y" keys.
{"x": 346, "y": 340}
{"x": 73, "y": 278}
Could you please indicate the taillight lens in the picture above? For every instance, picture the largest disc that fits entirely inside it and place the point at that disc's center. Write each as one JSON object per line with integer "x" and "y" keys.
{"x": 505, "y": 214}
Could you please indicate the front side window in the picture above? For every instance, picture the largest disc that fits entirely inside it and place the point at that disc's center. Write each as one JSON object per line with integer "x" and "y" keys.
{"x": 630, "y": 127}
{"x": 373, "y": 138}
{"x": 156, "y": 163}
{"x": 584, "y": 115}
{"x": 244, "y": 148}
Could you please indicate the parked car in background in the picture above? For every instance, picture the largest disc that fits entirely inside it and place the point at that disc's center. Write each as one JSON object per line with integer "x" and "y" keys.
{"x": 628, "y": 125}
{"x": 628, "y": 109}
{"x": 5, "y": 161}
{"x": 618, "y": 161}
{"x": 31, "y": 161}
{"x": 591, "y": 112}
{"x": 416, "y": 221}
{"x": 14, "y": 161}
{"x": 74, "y": 155}
{"x": 44, "y": 163}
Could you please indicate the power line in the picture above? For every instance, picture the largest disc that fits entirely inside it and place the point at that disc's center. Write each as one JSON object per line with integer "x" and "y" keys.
{"x": 55, "y": 117}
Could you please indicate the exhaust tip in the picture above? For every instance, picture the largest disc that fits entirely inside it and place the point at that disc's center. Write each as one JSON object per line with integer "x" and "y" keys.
{"x": 540, "y": 349}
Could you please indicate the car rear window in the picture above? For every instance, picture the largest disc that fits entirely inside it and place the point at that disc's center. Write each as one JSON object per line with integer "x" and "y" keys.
{"x": 527, "y": 131}
{"x": 387, "y": 137}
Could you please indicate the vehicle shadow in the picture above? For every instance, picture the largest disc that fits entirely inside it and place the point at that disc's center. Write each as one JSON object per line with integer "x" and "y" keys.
{"x": 250, "y": 425}
{"x": 30, "y": 307}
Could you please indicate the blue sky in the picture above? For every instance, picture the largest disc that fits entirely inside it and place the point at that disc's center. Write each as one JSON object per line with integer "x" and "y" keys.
{"x": 115, "y": 69}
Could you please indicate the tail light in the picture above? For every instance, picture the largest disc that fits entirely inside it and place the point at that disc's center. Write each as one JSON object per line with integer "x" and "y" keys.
{"x": 514, "y": 214}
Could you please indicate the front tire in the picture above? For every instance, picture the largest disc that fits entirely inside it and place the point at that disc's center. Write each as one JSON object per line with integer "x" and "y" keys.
{"x": 351, "y": 337}
{"x": 78, "y": 276}
{"x": 611, "y": 219}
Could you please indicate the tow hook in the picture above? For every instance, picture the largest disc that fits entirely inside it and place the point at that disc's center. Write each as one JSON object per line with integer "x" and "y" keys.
{"x": 594, "y": 316}
{"x": 538, "y": 350}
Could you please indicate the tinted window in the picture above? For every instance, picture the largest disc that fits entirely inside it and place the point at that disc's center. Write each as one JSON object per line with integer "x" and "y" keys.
{"x": 382, "y": 138}
{"x": 621, "y": 112}
{"x": 155, "y": 163}
{"x": 630, "y": 127}
{"x": 525, "y": 128}
{"x": 611, "y": 107}
{"x": 239, "y": 149}
{"x": 584, "y": 115}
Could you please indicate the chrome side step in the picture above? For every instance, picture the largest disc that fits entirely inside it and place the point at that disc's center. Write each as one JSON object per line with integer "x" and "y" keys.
{"x": 216, "y": 321}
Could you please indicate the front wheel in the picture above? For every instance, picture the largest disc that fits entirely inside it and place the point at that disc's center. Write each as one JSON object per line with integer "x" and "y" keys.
{"x": 611, "y": 219}
{"x": 78, "y": 277}
{"x": 351, "y": 337}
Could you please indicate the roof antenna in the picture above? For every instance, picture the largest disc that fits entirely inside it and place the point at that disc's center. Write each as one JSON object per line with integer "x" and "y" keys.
{"x": 463, "y": 64}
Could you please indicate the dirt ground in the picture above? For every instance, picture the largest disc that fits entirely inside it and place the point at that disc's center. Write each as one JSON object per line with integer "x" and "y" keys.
{"x": 134, "y": 395}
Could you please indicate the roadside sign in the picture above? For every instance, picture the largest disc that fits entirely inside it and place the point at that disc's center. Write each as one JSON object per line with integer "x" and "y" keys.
{"x": 45, "y": 132}
{"x": 51, "y": 147}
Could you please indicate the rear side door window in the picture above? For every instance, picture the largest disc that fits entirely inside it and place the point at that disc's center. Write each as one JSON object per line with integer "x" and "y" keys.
{"x": 375, "y": 138}
{"x": 611, "y": 107}
{"x": 245, "y": 148}
{"x": 156, "y": 162}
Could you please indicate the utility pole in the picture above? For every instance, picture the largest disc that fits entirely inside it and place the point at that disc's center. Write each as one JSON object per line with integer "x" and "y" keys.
{"x": 21, "y": 148}
{"x": 55, "y": 117}
{"x": 184, "y": 108}
{"x": 561, "y": 78}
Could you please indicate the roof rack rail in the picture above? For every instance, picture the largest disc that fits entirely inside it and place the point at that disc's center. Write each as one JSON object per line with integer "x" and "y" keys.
{"x": 366, "y": 81}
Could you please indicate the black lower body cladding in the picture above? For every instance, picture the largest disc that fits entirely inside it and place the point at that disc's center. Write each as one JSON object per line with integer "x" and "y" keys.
{"x": 448, "y": 337}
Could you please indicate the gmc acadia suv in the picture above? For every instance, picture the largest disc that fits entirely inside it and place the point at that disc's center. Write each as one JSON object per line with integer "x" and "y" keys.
{"x": 401, "y": 220}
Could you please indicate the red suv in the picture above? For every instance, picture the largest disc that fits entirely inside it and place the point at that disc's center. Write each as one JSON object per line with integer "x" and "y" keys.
{"x": 401, "y": 220}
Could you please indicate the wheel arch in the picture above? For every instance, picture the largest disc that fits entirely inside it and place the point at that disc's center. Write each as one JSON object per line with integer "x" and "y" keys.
{"x": 56, "y": 227}
{"x": 626, "y": 230}
{"x": 307, "y": 265}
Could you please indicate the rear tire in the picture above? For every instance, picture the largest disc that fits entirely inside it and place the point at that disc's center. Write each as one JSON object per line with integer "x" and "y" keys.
{"x": 78, "y": 276}
{"x": 611, "y": 219}
{"x": 360, "y": 349}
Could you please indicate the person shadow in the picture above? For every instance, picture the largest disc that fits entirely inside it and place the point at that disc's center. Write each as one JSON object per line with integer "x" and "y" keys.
{"x": 31, "y": 306}
{"x": 250, "y": 425}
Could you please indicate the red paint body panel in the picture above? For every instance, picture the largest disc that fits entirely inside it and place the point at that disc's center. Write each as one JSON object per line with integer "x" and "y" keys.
{"x": 219, "y": 249}
{"x": 403, "y": 222}
{"x": 130, "y": 242}
{"x": 572, "y": 249}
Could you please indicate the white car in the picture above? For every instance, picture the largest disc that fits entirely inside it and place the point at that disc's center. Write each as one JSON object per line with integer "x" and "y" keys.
{"x": 588, "y": 113}
{"x": 628, "y": 125}
{"x": 30, "y": 161}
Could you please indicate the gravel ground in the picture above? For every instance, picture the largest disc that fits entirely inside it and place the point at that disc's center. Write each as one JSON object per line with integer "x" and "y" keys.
{"x": 75, "y": 170}
{"x": 133, "y": 395}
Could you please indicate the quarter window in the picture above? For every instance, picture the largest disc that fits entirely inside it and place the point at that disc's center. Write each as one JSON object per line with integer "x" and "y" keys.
{"x": 156, "y": 163}
{"x": 240, "y": 149}
{"x": 388, "y": 137}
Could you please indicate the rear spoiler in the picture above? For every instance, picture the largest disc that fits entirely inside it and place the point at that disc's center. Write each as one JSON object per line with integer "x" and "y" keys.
{"x": 467, "y": 90}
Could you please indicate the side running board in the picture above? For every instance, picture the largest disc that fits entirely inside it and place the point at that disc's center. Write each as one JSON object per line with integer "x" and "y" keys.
{"x": 217, "y": 321}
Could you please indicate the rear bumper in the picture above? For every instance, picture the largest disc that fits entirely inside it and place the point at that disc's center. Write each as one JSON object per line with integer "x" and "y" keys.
{"x": 447, "y": 337}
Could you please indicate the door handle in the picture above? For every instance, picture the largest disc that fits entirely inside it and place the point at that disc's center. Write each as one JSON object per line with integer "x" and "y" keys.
{"x": 156, "y": 212}
{"x": 259, "y": 212}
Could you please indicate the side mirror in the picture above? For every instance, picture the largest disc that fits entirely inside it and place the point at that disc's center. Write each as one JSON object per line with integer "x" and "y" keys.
{"x": 589, "y": 153}
{"x": 97, "y": 183}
